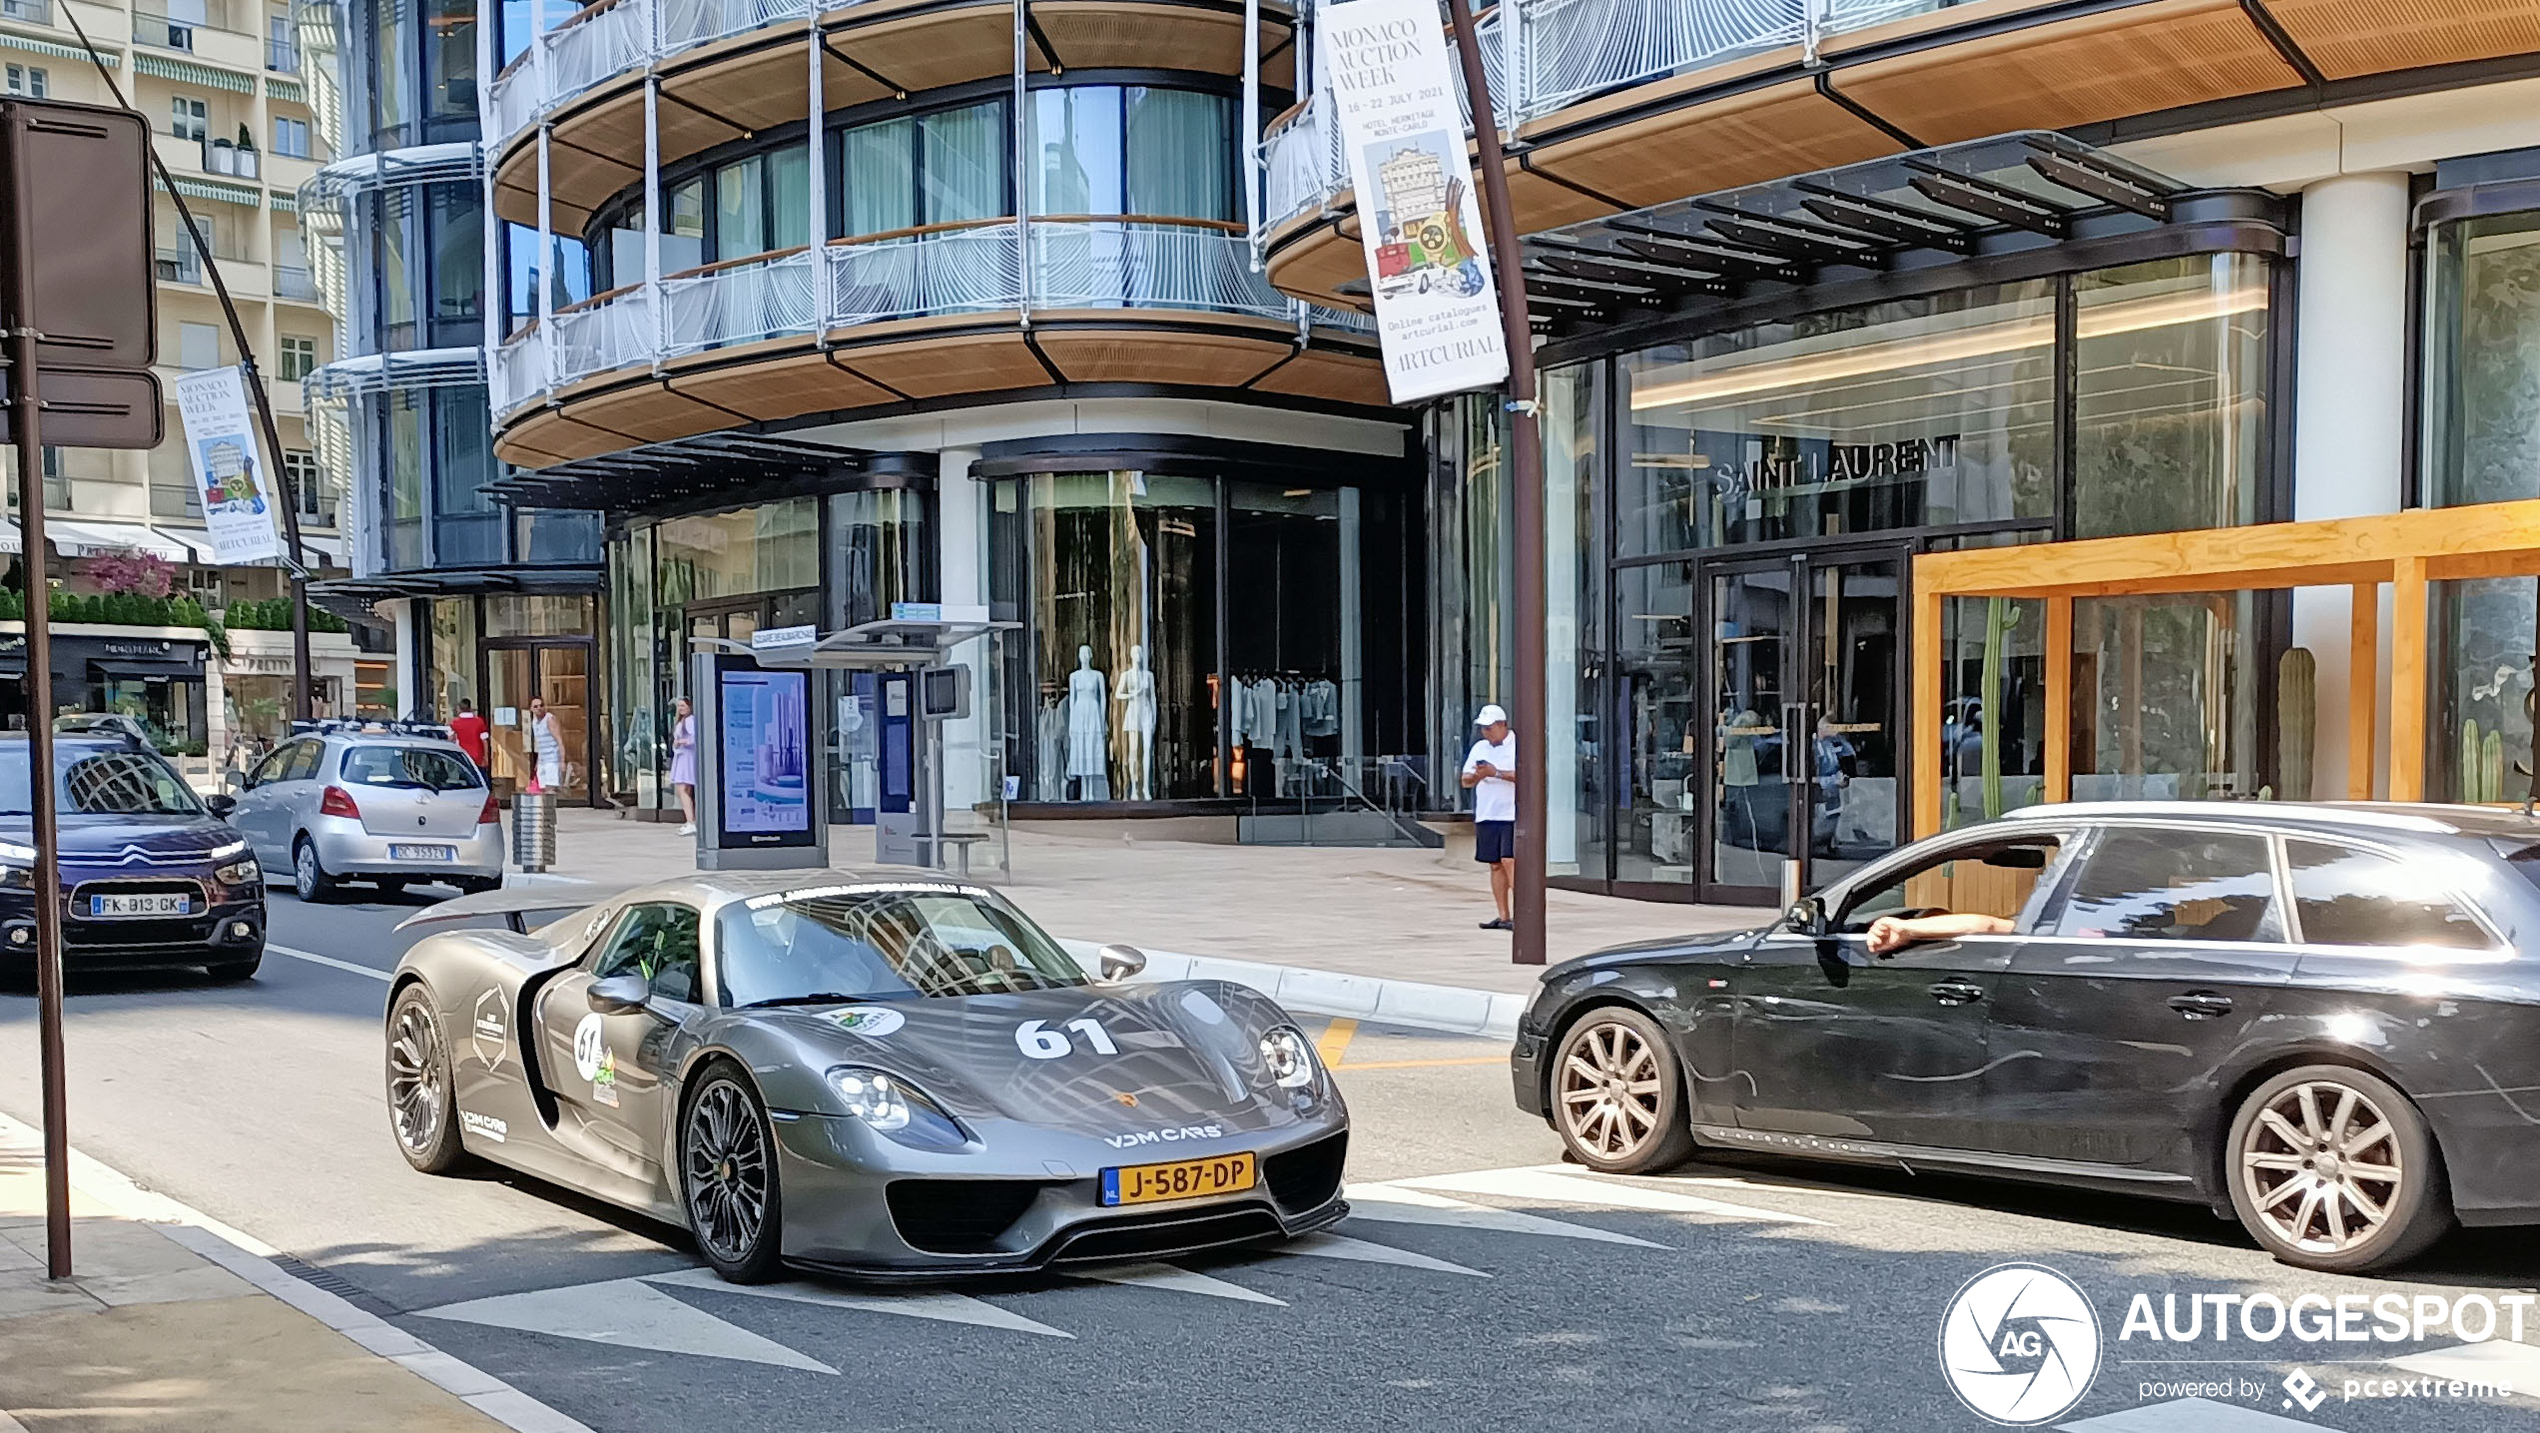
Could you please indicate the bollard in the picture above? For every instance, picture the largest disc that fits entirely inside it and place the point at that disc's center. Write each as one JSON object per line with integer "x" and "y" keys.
{"x": 534, "y": 830}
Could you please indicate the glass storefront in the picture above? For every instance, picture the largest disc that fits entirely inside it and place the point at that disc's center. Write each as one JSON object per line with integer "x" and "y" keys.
{"x": 499, "y": 652}
{"x": 1729, "y": 576}
{"x": 832, "y": 561}
{"x": 2481, "y": 423}
{"x": 1193, "y": 638}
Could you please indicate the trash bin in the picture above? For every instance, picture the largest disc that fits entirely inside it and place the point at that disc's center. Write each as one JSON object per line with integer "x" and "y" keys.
{"x": 534, "y": 830}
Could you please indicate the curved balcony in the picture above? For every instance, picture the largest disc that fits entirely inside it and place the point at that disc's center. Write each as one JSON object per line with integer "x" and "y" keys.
{"x": 1620, "y": 104}
{"x": 988, "y": 306}
{"x": 730, "y": 68}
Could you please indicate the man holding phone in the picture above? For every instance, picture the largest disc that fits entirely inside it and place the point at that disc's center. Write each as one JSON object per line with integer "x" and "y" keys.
{"x": 1490, "y": 770}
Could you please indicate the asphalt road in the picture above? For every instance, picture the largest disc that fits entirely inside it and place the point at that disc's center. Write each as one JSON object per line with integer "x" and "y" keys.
{"x": 1481, "y": 1285}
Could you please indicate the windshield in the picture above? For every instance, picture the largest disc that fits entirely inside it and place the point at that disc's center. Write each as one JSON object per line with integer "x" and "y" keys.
{"x": 411, "y": 767}
{"x": 868, "y": 944}
{"x": 99, "y": 783}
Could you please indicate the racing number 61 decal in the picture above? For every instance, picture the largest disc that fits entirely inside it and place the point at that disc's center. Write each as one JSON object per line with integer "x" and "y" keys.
{"x": 1039, "y": 1042}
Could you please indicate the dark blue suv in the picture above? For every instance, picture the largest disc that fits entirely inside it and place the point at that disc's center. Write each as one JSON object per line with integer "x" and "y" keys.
{"x": 151, "y": 874}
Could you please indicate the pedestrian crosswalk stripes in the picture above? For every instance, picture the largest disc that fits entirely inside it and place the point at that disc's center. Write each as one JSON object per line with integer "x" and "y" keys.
{"x": 1551, "y": 1185}
{"x": 2188, "y": 1415}
{"x": 628, "y": 1313}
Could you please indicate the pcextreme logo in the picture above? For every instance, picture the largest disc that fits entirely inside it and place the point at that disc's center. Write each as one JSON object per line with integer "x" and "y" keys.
{"x": 2020, "y": 1344}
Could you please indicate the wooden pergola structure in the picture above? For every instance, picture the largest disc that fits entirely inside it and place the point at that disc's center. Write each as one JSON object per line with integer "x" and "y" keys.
{"x": 2409, "y": 550}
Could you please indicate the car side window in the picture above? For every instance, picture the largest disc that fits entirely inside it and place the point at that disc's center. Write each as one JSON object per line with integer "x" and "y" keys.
{"x": 1994, "y": 878}
{"x": 304, "y": 761}
{"x": 657, "y": 941}
{"x": 271, "y": 768}
{"x": 2145, "y": 884}
{"x": 2343, "y": 896}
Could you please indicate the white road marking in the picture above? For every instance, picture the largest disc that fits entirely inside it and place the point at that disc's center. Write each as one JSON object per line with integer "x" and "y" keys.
{"x": 1336, "y": 1246}
{"x": 2496, "y": 1361}
{"x": 626, "y": 1313}
{"x": 914, "y": 1304}
{"x": 1177, "y": 1280}
{"x": 1397, "y": 1204}
{"x": 316, "y": 959}
{"x": 2188, "y": 1415}
{"x": 1555, "y": 1187}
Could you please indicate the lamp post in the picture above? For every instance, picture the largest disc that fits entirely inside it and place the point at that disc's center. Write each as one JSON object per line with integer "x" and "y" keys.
{"x": 1525, "y": 470}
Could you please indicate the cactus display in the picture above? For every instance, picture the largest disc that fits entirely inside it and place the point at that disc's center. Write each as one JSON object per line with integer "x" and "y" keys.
{"x": 2296, "y": 720}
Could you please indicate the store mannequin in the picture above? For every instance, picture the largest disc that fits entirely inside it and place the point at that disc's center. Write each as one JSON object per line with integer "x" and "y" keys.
{"x": 1088, "y": 722}
{"x": 1137, "y": 723}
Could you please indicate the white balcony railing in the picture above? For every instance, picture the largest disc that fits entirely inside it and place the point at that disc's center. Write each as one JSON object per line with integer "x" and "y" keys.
{"x": 1075, "y": 264}
{"x": 608, "y": 40}
{"x": 1565, "y": 51}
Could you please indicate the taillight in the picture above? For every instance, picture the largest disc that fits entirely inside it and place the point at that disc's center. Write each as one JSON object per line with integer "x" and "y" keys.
{"x": 491, "y": 815}
{"x": 338, "y": 802}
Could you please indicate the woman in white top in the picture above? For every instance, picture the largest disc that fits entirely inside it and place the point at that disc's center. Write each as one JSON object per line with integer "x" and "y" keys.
{"x": 546, "y": 742}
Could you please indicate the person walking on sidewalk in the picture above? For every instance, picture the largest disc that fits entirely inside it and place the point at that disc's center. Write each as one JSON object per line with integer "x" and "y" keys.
{"x": 468, "y": 730}
{"x": 1490, "y": 770}
{"x": 546, "y": 745}
{"x": 683, "y": 763}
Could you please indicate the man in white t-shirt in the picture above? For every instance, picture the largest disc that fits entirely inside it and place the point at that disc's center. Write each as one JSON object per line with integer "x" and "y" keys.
{"x": 1490, "y": 769}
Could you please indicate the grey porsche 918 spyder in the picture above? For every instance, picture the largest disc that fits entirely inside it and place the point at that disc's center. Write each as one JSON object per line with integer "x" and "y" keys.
{"x": 884, "y": 1077}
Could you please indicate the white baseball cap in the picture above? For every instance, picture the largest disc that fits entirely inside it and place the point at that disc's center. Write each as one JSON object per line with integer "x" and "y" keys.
{"x": 1489, "y": 714}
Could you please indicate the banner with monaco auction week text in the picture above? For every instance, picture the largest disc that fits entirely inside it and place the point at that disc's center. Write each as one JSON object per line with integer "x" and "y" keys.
{"x": 1437, "y": 309}
{"x": 239, "y": 505}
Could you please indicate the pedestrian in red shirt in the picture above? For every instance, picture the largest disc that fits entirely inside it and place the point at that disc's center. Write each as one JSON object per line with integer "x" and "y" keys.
{"x": 468, "y": 730}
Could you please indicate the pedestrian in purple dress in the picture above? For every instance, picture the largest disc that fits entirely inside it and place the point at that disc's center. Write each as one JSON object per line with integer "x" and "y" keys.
{"x": 683, "y": 765}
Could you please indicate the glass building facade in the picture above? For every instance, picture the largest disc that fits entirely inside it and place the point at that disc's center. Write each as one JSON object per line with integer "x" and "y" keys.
{"x": 1731, "y": 519}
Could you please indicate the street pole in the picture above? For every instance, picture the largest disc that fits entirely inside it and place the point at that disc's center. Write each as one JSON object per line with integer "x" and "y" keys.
{"x": 39, "y": 757}
{"x": 1525, "y": 468}
{"x": 297, "y": 561}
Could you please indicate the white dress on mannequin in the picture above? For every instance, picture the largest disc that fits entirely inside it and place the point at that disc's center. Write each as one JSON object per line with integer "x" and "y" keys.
{"x": 1137, "y": 723}
{"x": 1088, "y": 696}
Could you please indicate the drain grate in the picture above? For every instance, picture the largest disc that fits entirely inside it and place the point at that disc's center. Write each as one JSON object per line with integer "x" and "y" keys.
{"x": 332, "y": 1282}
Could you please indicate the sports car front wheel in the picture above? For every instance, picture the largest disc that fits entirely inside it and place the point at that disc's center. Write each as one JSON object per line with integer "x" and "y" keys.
{"x": 419, "y": 1085}
{"x": 727, "y": 1175}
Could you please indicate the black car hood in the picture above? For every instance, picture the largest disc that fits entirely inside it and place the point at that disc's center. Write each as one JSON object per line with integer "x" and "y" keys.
{"x": 1672, "y": 947}
{"x": 1187, "y": 1052}
{"x": 111, "y": 840}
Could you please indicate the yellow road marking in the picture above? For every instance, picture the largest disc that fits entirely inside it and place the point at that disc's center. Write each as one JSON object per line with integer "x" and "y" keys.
{"x": 1423, "y": 1064}
{"x": 1335, "y": 1040}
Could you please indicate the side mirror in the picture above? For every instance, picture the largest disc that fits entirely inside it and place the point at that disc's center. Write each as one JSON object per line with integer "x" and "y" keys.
{"x": 620, "y": 994}
{"x": 1122, "y": 962}
{"x": 220, "y": 805}
{"x": 1807, "y": 916}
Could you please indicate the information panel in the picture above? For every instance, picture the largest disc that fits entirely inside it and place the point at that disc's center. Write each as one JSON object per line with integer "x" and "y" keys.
{"x": 765, "y": 763}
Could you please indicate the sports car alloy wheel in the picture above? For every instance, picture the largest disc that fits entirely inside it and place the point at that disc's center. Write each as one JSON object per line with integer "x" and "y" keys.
{"x": 2323, "y": 1165}
{"x": 2333, "y": 1168}
{"x": 1614, "y": 1094}
{"x": 730, "y": 1185}
{"x": 419, "y": 1085}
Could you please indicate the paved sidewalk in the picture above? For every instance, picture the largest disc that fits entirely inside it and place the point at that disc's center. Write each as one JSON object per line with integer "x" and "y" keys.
{"x": 170, "y": 1325}
{"x": 1376, "y": 913}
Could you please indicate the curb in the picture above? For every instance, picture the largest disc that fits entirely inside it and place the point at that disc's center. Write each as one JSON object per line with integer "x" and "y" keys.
{"x": 251, "y": 1259}
{"x": 1413, "y": 1004}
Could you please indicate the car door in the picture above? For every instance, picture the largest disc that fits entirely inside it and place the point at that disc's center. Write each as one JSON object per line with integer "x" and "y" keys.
{"x": 260, "y": 815}
{"x": 609, "y": 1072}
{"x": 2167, "y": 952}
{"x": 1832, "y": 1041}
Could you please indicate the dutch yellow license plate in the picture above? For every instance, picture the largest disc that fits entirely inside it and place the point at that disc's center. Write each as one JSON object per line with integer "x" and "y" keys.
{"x": 1182, "y": 1179}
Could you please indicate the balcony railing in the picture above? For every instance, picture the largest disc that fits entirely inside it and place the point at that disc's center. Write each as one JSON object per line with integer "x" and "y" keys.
{"x": 292, "y": 281}
{"x": 31, "y": 12}
{"x": 161, "y": 32}
{"x": 962, "y": 269}
{"x": 180, "y": 265}
{"x": 221, "y": 156}
{"x": 282, "y": 56}
{"x": 1560, "y": 52}
{"x": 607, "y": 39}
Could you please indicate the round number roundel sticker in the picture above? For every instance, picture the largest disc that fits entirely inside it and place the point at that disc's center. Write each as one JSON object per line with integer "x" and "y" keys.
{"x": 590, "y": 1042}
{"x": 870, "y": 1020}
{"x": 2020, "y": 1344}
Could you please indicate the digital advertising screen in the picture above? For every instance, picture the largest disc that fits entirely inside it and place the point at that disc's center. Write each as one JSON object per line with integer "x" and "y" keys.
{"x": 766, "y": 757}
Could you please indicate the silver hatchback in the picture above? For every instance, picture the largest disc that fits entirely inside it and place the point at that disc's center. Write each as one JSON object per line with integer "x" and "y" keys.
{"x": 383, "y": 807}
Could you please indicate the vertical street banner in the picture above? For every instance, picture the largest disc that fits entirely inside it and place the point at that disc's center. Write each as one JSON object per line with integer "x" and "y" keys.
{"x": 1402, "y": 125}
{"x": 239, "y": 503}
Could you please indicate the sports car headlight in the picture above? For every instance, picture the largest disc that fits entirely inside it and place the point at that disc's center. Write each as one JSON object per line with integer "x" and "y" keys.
{"x": 1291, "y": 1062}
{"x": 240, "y": 873}
{"x": 872, "y": 1097}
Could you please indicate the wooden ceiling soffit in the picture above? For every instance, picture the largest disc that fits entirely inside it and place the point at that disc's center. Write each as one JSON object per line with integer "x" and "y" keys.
{"x": 1191, "y": 359}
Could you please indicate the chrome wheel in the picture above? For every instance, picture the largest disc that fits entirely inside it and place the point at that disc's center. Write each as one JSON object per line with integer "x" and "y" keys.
{"x": 1608, "y": 1089}
{"x": 418, "y": 1098}
{"x": 726, "y": 1173}
{"x": 2322, "y": 1166}
{"x": 306, "y": 878}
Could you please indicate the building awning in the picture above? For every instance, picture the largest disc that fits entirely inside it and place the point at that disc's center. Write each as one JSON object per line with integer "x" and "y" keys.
{"x": 562, "y": 580}
{"x": 412, "y": 368}
{"x": 212, "y": 191}
{"x": 716, "y": 468}
{"x": 35, "y": 46}
{"x": 161, "y": 67}
{"x": 2007, "y": 194}
{"x": 86, "y": 539}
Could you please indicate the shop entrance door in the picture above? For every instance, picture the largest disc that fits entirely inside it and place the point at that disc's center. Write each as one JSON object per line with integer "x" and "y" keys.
{"x": 1807, "y": 683}
{"x": 560, "y": 673}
